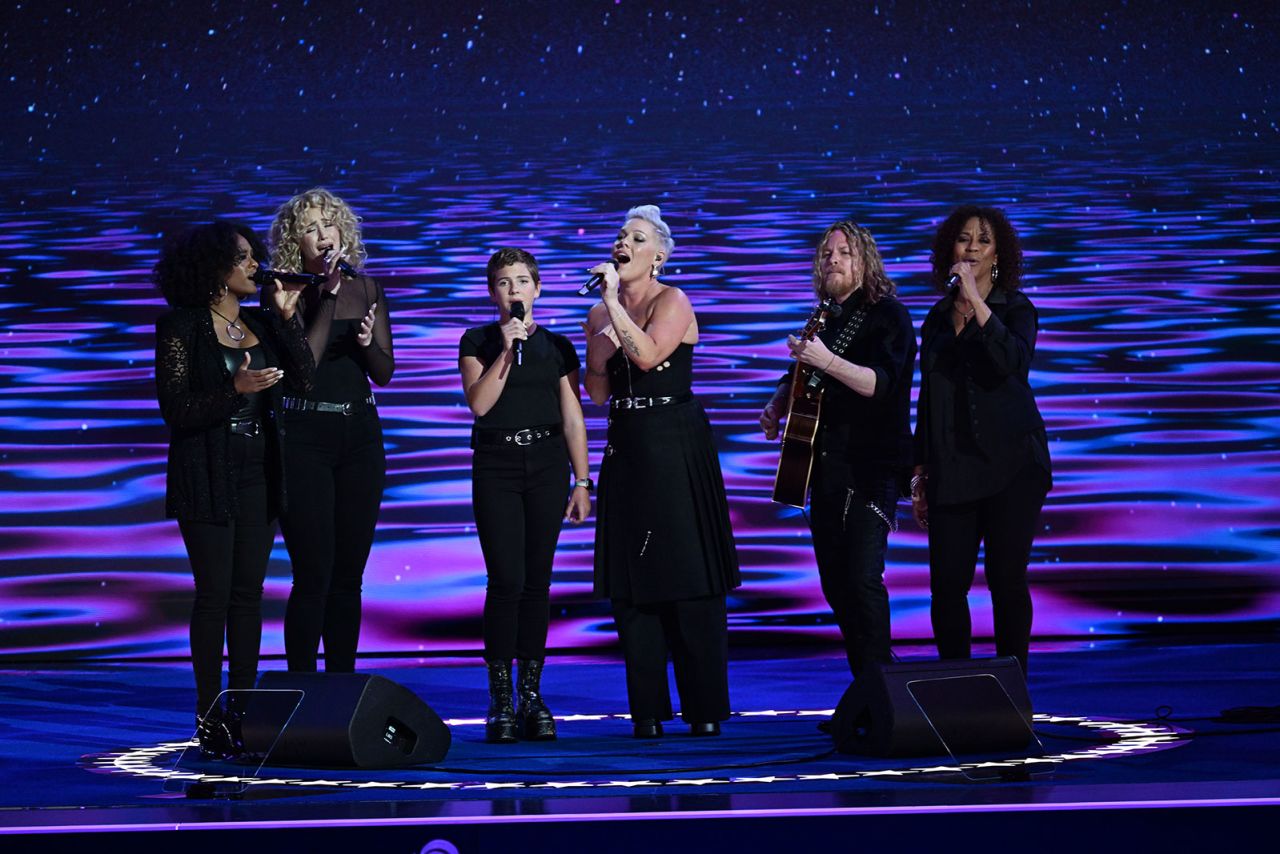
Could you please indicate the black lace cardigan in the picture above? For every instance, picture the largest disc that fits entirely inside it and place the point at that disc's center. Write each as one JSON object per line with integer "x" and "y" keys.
{"x": 197, "y": 397}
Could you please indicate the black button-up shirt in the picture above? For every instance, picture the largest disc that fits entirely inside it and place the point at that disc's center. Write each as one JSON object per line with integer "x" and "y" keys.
{"x": 866, "y": 440}
{"x": 977, "y": 424}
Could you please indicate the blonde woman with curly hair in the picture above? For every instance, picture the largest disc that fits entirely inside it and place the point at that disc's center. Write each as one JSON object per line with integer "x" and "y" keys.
{"x": 334, "y": 457}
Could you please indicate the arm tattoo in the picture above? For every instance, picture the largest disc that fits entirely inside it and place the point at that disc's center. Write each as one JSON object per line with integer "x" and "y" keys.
{"x": 629, "y": 341}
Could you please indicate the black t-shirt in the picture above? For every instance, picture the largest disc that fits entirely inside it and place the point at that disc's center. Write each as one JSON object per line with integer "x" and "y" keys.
{"x": 531, "y": 397}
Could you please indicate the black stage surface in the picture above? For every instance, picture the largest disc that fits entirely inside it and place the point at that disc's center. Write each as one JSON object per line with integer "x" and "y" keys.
{"x": 1137, "y": 751}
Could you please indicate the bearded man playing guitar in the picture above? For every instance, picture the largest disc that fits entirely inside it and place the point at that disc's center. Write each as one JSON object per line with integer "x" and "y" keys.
{"x": 861, "y": 362}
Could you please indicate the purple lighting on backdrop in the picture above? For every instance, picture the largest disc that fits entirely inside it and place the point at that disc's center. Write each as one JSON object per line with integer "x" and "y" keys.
{"x": 1150, "y": 254}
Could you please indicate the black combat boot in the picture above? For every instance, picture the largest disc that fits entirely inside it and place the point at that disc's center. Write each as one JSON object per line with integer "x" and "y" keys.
{"x": 533, "y": 718}
{"x": 500, "y": 723}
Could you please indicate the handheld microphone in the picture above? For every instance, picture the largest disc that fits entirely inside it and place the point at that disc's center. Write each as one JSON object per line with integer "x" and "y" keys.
{"x": 517, "y": 311}
{"x": 594, "y": 282}
{"x": 264, "y": 276}
{"x": 952, "y": 282}
{"x": 344, "y": 266}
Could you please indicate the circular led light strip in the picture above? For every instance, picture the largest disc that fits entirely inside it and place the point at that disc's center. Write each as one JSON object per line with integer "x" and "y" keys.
{"x": 1129, "y": 738}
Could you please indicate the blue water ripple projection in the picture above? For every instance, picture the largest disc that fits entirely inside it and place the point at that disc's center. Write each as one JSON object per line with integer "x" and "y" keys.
{"x": 1136, "y": 157}
{"x": 1155, "y": 371}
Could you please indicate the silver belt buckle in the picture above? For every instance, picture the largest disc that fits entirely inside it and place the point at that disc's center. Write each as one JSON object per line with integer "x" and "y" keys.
{"x": 524, "y": 437}
{"x": 347, "y": 408}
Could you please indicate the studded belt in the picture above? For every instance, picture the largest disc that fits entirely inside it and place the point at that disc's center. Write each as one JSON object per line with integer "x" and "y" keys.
{"x": 524, "y": 437}
{"x": 298, "y": 404}
{"x": 648, "y": 402}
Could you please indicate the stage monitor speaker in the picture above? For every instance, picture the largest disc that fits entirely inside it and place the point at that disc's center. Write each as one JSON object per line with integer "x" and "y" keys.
{"x": 934, "y": 708}
{"x": 348, "y": 720}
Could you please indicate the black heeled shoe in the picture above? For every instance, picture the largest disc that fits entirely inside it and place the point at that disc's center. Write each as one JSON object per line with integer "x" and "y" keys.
{"x": 218, "y": 733}
{"x": 646, "y": 728}
{"x": 703, "y": 730}
{"x": 534, "y": 721}
{"x": 500, "y": 722}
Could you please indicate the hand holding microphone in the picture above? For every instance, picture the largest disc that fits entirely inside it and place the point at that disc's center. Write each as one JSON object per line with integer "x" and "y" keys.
{"x": 598, "y": 275}
{"x": 517, "y": 315}
{"x": 338, "y": 268}
{"x": 964, "y": 289}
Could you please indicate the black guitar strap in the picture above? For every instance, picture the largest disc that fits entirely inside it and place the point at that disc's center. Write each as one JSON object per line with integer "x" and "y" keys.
{"x": 841, "y": 344}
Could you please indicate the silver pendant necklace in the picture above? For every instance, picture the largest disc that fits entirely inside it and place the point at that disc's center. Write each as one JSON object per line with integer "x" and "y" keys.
{"x": 234, "y": 332}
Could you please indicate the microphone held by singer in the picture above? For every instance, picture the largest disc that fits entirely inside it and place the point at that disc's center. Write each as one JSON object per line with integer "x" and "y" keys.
{"x": 517, "y": 311}
{"x": 594, "y": 282}
{"x": 263, "y": 277}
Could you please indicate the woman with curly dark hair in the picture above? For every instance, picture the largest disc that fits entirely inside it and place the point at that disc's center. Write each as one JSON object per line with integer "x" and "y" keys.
{"x": 982, "y": 458}
{"x": 221, "y": 369}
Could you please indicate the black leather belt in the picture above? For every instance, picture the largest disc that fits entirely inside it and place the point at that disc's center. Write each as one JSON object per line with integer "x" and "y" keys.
{"x": 298, "y": 404}
{"x": 246, "y": 427}
{"x": 527, "y": 436}
{"x": 648, "y": 402}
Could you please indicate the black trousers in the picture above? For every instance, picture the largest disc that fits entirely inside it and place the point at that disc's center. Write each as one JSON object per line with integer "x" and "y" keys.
{"x": 1006, "y": 523}
{"x": 229, "y": 562}
{"x": 850, "y": 539}
{"x": 335, "y": 467}
{"x": 696, "y": 633}
{"x": 519, "y": 496}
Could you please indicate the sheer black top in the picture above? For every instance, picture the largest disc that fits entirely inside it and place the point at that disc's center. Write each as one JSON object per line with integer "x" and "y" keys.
{"x": 343, "y": 367}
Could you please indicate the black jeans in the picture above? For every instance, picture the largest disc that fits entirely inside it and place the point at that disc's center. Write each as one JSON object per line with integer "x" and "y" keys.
{"x": 519, "y": 495}
{"x": 229, "y": 562}
{"x": 1007, "y": 523}
{"x": 696, "y": 633}
{"x": 335, "y": 468}
{"x": 850, "y": 539}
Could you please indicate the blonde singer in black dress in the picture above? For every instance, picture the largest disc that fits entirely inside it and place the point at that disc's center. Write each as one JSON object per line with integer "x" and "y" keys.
{"x": 664, "y": 546}
{"x": 521, "y": 381}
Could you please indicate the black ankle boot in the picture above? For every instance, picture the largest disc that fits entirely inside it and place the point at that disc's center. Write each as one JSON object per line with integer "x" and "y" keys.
{"x": 500, "y": 723}
{"x": 533, "y": 718}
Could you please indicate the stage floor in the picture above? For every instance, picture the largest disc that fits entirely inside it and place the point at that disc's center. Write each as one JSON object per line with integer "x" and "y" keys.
{"x": 1125, "y": 729}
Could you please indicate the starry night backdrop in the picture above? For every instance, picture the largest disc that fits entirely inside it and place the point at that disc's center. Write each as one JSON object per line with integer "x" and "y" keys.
{"x": 1134, "y": 145}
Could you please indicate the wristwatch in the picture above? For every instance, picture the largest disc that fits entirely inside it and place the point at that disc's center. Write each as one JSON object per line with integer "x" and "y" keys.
{"x": 586, "y": 482}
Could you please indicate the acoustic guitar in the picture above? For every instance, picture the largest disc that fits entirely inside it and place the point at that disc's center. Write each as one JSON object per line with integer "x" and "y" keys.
{"x": 804, "y": 411}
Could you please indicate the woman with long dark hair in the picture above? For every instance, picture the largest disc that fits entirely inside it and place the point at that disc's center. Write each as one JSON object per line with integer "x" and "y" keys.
{"x": 521, "y": 382}
{"x": 335, "y": 457}
{"x": 221, "y": 372}
{"x": 982, "y": 458}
